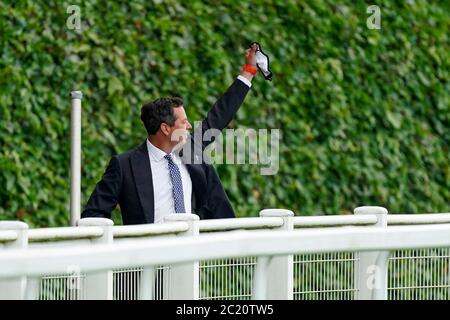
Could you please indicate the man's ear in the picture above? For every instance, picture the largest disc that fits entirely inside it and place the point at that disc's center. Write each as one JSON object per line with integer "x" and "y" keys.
{"x": 165, "y": 129}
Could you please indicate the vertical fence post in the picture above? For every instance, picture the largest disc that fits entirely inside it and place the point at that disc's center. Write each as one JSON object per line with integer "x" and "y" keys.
{"x": 75, "y": 157}
{"x": 280, "y": 282}
{"x": 147, "y": 284}
{"x": 371, "y": 267}
{"x": 261, "y": 277}
{"x": 15, "y": 288}
{"x": 184, "y": 278}
{"x": 99, "y": 285}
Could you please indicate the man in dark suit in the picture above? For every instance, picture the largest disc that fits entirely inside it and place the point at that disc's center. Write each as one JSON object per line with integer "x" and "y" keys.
{"x": 156, "y": 179}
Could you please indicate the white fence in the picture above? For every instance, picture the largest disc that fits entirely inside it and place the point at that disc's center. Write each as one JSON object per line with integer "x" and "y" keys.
{"x": 370, "y": 255}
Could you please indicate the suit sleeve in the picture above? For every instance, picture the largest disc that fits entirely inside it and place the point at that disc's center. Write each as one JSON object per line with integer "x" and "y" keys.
{"x": 224, "y": 109}
{"x": 106, "y": 193}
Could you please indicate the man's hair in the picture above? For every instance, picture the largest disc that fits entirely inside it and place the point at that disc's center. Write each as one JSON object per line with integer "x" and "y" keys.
{"x": 159, "y": 111}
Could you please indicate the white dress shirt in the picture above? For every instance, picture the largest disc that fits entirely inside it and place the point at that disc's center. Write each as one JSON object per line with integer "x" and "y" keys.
{"x": 245, "y": 80}
{"x": 162, "y": 183}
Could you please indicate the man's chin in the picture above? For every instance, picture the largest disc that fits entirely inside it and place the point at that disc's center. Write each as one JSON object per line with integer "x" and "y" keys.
{"x": 181, "y": 142}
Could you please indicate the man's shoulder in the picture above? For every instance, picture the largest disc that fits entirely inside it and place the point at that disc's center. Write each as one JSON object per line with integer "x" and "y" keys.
{"x": 129, "y": 153}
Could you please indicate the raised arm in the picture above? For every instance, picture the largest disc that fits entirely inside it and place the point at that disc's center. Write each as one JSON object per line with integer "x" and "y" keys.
{"x": 228, "y": 104}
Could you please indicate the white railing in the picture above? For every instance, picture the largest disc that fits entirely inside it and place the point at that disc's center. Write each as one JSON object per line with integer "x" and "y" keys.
{"x": 327, "y": 257}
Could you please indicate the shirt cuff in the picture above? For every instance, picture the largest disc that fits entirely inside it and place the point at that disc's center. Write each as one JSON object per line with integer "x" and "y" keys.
{"x": 245, "y": 80}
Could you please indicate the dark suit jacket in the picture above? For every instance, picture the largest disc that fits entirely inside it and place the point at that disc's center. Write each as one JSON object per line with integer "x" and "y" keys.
{"x": 127, "y": 180}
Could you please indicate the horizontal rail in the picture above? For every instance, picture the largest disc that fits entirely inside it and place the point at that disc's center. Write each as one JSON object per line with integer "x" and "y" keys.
{"x": 329, "y": 221}
{"x": 73, "y": 233}
{"x": 240, "y": 223}
{"x": 8, "y": 235}
{"x": 65, "y": 233}
{"x": 425, "y": 218}
{"x": 169, "y": 250}
{"x": 149, "y": 229}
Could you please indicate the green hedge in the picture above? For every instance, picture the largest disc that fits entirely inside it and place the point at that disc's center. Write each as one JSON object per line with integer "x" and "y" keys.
{"x": 364, "y": 114}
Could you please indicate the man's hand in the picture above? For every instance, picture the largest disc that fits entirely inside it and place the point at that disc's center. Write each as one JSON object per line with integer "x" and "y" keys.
{"x": 250, "y": 59}
{"x": 250, "y": 55}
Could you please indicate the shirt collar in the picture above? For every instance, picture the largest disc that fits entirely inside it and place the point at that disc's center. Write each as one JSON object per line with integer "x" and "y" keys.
{"x": 156, "y": 153}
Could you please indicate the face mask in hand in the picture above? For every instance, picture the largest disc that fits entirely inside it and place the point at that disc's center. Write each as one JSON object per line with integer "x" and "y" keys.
{"x": 262, "y": 62}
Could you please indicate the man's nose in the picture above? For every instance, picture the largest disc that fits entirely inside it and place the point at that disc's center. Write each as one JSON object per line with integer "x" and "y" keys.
{"x": 189, "y": 127}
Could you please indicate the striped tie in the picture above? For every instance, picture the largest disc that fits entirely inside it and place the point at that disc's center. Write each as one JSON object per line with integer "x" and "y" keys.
{"x": 177, "y": 185}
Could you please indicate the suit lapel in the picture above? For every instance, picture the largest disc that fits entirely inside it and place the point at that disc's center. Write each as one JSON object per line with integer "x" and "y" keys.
{"x": 142, "y": 172}
{"x": 198, "y": 184}
{"x": 196, "y": 172}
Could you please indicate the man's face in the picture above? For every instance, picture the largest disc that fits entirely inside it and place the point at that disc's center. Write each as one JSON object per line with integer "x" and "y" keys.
{"x": 179, "y": 131}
